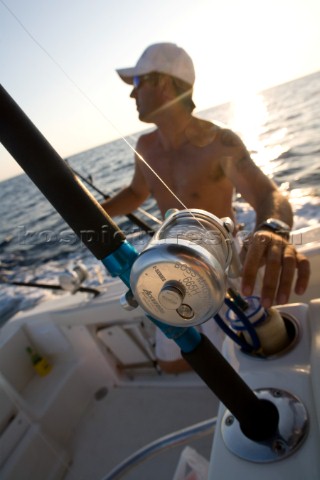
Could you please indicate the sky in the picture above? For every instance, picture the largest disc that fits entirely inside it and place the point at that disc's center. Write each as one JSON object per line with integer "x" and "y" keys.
{"x": 58, "y": 58}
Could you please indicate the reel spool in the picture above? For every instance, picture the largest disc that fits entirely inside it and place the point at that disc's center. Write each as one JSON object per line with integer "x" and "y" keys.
{"x": 180, "y": 277}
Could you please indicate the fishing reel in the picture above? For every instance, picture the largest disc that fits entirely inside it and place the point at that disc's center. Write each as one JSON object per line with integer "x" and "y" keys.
{"x": 180, "y": 277}
{"x": 72, "y": 278}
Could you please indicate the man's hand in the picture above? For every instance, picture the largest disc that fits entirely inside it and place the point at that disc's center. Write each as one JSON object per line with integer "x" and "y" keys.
{"x": 281, "y": 260}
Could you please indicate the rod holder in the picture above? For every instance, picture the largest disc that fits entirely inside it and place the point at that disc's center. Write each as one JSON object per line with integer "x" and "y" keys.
{"x": 258, "y": 418}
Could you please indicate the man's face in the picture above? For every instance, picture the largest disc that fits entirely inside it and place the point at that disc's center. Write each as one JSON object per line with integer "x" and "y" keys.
{"x": 148, "y": 95}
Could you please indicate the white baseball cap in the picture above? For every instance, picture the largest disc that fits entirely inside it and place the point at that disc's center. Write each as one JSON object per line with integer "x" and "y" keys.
{"x": 165, "y": 58}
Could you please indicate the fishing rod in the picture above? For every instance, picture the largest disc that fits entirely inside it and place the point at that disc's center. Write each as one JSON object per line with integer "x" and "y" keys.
{"x": 48, "y": 286}
{"x": 258, "y": 418}
{"x": 130, "y": 216}
{"x": 70, "y": 280}
{"x": 89, "y": 181}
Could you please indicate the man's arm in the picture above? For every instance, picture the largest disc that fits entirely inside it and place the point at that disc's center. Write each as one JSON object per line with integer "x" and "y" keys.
{"x": 255, "y": 187}
{"x": 130, "y": 197}
{"x": 264, "y": 247}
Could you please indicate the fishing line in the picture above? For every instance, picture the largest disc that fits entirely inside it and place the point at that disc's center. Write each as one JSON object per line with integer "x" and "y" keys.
{"x": 82, "y": 92}
{"x": 7, "y": 388}
{"x": 138, "y": 155}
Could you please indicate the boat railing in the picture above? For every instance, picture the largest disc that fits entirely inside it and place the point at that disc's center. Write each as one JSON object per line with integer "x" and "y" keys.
{"x": 160, "y": 445}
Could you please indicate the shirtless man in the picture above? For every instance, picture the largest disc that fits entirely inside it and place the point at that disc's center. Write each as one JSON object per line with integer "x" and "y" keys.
{"x": 202, "y": 164}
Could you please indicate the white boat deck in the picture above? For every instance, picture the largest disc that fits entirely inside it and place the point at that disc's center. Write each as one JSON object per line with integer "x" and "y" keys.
{"x": 128, "y": 418}
{"x": 99, "y": 405}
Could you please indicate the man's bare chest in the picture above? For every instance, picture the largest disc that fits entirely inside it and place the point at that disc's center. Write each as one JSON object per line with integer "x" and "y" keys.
{"x": 183, "y": 167}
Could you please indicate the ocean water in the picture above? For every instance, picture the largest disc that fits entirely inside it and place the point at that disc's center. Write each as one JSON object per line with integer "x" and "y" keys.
{"x": 280, "y": 127}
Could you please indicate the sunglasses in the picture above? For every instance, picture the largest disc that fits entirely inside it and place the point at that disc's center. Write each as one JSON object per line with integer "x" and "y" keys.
{"x": 139, "y": 79}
